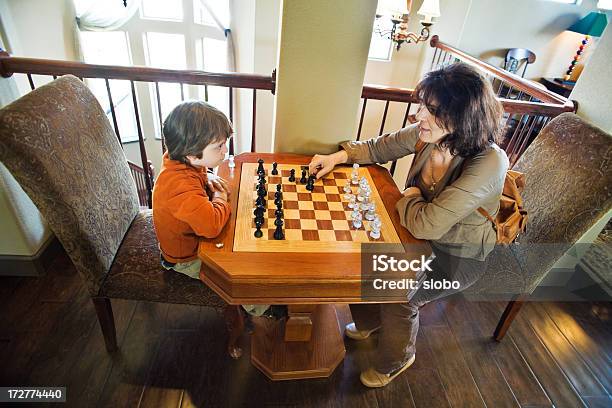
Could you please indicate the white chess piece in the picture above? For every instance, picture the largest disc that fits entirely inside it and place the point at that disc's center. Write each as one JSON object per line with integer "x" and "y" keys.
{"x": 371, "y": 212}
{"x": 375, "y": 227}
{"x": 360, "y": 194}
{"x": 355, "y": 172}
{"x": 356, "y": 216}
{"x": 366, "y": 200}
{"x": 352, "y": 202}
{"x": 348, "y": 190}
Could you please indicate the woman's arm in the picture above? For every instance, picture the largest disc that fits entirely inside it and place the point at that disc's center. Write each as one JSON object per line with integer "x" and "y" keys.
{"x": 390, "y": 146}
{"x": 480, "y": 178}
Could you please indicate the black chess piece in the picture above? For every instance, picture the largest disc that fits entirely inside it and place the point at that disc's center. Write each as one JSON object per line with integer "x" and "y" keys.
{"x": 278, "y": 213}
{"x": 278, "y": 233}
{"x": 274, "y": 170}
{"x": 292, "y": 175}
{"x": 260, "y": 168}
{"x": 259, "y": 210}
{"x": 258, "y": 224}
{"x": 261, "y": 190}
{"x": 260, "y": 201}
{"x": 279, "y": 187}
{"x": 310, "y": 183}
{"x": 303, "y": 179}
{"x": 278, "y": 200}
{"x": 262, "y": 179}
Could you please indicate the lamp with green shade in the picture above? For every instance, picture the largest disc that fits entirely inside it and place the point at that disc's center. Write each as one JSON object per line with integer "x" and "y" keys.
{"x": 592, "y": 25}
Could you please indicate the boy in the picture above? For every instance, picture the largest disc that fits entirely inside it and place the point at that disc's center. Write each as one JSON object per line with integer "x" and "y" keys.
{"x": 188, "y": 203}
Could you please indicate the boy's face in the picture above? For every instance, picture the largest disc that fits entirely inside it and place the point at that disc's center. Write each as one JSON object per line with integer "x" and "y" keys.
{"x": 212, "y": 155}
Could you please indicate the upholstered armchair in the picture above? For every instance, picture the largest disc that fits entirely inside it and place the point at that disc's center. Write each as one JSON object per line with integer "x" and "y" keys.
{"x": 59, "y": 145}
{"x": 568, "y": 190}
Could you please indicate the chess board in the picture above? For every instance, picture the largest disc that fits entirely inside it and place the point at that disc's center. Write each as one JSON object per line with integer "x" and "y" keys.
{"x": 317, "y": 221}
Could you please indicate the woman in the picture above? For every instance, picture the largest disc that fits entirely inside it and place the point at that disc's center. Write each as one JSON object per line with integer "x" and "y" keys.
{"x": 458, "y": 168}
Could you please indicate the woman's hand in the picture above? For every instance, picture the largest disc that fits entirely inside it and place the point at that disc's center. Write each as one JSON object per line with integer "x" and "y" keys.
{"x": 321, "y": 164}
{"x": 216, "y": 183}
{"x": 412, "y": 192}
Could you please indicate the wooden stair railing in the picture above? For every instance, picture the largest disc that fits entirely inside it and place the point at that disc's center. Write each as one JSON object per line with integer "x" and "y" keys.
{"x": 139, "y": 176}
{"x": 33, "y": 66}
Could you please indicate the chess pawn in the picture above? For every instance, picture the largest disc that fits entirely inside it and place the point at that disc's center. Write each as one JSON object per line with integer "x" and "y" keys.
{"x": 292, "y": 175}
{"x": 375, "y": 232}
{"x": 356, "y": 216}
{"x": 303, "y": 179}
{"x": 363, "y": 182}
{"x": 352, "y": 202}
{"x": 278, "y": 232}
{"x": 260, "y": 167}
{"x": 348, "y": 190}
{"x": 355, "y": 171}
{"x": 258, "y": 224}
{"x": 274, "y": 169}
{"x": 371, "y": 213}
{"x": 360, "y": 194}
{"x": 366, "y": 200}
{"x": 354, "y": 180}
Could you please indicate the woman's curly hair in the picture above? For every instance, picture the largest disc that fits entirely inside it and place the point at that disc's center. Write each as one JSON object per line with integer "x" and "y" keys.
{"x": 463, "y": 102}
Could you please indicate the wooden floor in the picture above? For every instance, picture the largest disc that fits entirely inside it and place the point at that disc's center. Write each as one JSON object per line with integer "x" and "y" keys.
{"x": 556, "y": 354}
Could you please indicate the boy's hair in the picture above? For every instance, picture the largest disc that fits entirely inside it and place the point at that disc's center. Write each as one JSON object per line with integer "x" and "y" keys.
{"x": 191, "y": 126}
{"x": 463, "y": 102}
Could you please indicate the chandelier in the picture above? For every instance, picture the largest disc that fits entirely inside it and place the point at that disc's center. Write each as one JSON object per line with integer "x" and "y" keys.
{"x": 398, "y": 12}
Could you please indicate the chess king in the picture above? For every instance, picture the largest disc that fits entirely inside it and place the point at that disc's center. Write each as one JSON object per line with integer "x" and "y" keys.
{"x": 458, "y": 168}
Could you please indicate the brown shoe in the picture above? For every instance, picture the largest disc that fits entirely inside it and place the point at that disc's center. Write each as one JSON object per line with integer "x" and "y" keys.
{"x": 373, "y": 379}
{"x": 351, "y": 331}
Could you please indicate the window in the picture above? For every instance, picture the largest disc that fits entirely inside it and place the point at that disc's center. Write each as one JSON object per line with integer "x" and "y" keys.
{"x": 172, "y": 34}
{"x": 381, "y": 45}
{"x": 111, "y": 48}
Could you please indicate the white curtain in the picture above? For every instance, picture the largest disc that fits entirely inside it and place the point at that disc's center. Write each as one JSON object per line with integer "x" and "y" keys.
{"x": 231, "y": 53}
{"x": 107, "y": 15}
{"x": 97, "y": 15}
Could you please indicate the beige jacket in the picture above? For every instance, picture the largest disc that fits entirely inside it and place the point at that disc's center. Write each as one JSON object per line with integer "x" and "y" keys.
{"x": 447, "y": 217}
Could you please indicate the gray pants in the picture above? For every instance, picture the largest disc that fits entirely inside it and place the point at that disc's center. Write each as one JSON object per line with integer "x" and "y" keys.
{"x": 399, "y": 322}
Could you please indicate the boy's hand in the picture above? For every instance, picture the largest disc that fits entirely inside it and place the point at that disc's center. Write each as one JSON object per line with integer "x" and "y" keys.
{"x": 320, "y": 164}
{"x": 220, "y": 194}
{"x": 216, "y": 183}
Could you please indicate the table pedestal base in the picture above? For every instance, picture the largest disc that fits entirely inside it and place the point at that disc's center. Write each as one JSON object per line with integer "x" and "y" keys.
{"x": 309, "y": 345}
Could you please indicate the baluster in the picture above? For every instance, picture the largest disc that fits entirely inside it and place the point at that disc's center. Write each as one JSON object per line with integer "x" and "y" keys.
{"x": 182, "y": 93}
{"x": 205, "y": 93}
{"x": 519, "y": 138}
{"x": 382, "y": 125}
{"x": 112, "y": 109}
{"x": 143, "y": 152}
{"x": 363, "y": 108}
{"x": 406, "y": 114}
{"x": 431, "y": 68}
{"x": 161, "y": 119}
{"x": 231, "y": 117}
{"x": 54, "y": 77}
{"x": 254, "y": 116}
{"x": 438, "y": 60}
{"x": 512, "y": 141}
{"x": 31, "y": 81}
{"x": 527, "y": 139}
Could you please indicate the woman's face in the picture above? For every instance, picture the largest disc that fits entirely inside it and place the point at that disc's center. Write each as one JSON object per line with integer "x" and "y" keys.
{"x": 429, "y": 131}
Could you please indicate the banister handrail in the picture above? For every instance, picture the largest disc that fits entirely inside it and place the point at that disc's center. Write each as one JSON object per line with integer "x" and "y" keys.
{"x": 515, "y": 81}
{"x": 10, "y": 65}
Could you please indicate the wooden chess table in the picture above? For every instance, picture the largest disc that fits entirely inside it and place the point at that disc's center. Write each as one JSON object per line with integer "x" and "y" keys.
{"x": 316, "y": 265}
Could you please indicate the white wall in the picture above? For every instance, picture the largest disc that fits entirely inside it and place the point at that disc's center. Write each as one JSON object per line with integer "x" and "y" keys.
{"x": 29, "y": 28}
{"x": 593, "y": 90}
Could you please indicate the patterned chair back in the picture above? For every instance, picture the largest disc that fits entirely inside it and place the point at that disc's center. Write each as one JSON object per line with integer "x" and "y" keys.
{"x": 60, "y": 147}
{"x": 568, "y": 190}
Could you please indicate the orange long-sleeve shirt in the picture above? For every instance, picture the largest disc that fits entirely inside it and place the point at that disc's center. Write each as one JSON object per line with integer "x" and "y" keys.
{"x": 183, "y": 210}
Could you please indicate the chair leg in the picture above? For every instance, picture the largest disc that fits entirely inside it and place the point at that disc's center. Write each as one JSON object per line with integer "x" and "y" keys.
{"x": 104, "y": 311}
{"x": 507, "y": 317}
{"x": 234, "y": 320}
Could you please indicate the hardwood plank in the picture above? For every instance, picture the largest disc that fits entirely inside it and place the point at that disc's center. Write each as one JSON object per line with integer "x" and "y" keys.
{"x": 598, "y": 402}
{"x": 522, "y": 381}
{"x": 454, "y": 371}
{"x": 592, "y": 353}
{"x": 558, "y": 388}
{"x": 164, "y": 386}
{"x": 131, "y": 363}
{"x": 565, "y": 355}
{"x": 432, "y": 314}
{"x": 65, "y": 343}
{"x": 88, "y": 375}
{"x": 424, "y": 379}
{"x": 183, "y": 317}
{"x": 475, "y": 346}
